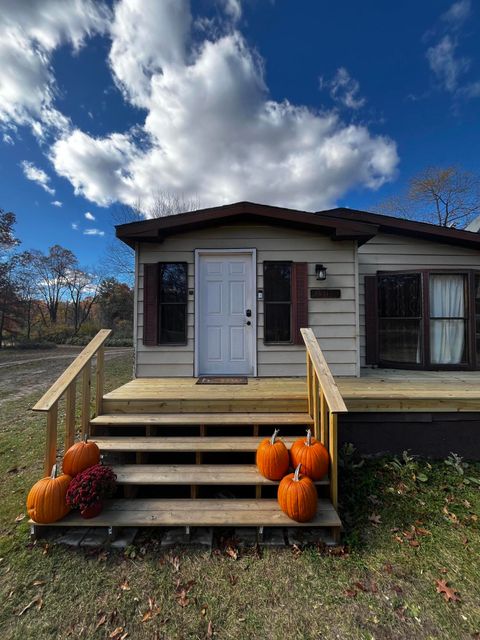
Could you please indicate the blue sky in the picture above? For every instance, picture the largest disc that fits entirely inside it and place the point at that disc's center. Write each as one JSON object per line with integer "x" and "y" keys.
{"x": 307, "y": 104}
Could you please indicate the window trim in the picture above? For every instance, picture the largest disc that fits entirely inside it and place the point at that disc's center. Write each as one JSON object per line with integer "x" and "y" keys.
{"x": 472, "y": 361}
{"x": 160, "y": 304}
{"x": 291, "y": 303}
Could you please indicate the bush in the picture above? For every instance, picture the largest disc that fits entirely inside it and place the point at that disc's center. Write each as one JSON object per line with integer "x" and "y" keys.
{"x": 34, "y": 344}
{"x": 119, "y": 342}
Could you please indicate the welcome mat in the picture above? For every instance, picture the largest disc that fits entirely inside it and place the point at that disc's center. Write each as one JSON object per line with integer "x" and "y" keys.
{"x": 222, "y": 380}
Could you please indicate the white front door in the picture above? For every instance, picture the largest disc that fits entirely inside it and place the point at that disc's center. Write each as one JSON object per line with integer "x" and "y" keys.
{"x": 225, "y": 294}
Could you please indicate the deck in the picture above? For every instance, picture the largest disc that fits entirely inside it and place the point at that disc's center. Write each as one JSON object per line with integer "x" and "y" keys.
{"x": 377, "y": 390}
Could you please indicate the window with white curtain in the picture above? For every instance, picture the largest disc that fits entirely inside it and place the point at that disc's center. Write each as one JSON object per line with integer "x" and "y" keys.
{"x": 425, "y": 319}
{"x": 448, "y": 319}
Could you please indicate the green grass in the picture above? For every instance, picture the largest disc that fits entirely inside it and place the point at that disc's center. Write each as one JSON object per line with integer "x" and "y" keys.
{"x": 402, "y": 534}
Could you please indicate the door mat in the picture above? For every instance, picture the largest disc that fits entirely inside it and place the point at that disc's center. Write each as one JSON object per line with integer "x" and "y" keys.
{"x": 222, "y": 380}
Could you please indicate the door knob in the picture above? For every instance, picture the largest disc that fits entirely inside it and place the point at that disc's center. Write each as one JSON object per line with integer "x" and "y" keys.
{"x": 248, "y": 323}
{"x": 248, "y": 313}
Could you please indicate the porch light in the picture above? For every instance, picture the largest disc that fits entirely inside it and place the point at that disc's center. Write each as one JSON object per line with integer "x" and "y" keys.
{"x": 320, "y": 272}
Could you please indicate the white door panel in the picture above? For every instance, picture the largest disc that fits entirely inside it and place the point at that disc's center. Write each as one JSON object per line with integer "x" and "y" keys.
{"x": 225, "y": 290}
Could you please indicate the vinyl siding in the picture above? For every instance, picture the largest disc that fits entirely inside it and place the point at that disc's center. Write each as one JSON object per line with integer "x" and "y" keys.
{"x": 389, "y": 252}
{"x": 333, "y": 321}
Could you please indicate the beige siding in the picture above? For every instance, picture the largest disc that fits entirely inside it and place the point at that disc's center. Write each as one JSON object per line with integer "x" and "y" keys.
{"x": 387, "y": 252}
{"x": 333, "y": 321}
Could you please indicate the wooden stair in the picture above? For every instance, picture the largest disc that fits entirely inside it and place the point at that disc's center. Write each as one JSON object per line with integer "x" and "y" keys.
{"x": 162, "y": 444}
{"x": 212, "y": 419}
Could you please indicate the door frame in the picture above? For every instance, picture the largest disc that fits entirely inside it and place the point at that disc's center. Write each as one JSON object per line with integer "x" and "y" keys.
{"x": 220, "y": 252}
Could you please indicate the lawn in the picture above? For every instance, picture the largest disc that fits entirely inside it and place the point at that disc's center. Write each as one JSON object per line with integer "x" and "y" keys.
{"x": 409, "y": 566}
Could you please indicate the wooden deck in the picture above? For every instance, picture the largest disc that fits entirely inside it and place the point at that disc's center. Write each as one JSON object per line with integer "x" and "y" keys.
{"x": 377, "y": 390}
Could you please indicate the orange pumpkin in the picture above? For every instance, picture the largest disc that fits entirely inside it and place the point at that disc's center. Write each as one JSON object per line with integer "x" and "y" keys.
{"x": 312, "y": 455}
{"x": 272, "y": 458}
{"x": 46, "y": 500}
{"x": 297, "y": 496}
{"x": 80, "y": 456}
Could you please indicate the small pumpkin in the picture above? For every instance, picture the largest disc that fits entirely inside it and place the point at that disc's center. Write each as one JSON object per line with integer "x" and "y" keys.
{"x": 46, "y": 501}
{"x": 297, "y": 496}
{"x": 272, "y": 458}
{"x": 312, "y": 455}
{"x": 80, "y": 456}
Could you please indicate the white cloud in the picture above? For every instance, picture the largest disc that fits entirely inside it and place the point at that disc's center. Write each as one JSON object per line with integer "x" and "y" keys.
{"x": 35, "y": 174}
{"x": 211, "y": 129}
{"x": 89, "y": 216}
{"x": 233, "y": 8}
{"x": 93, "y": 232}
{"x": 57, "y": 203}
{"x": 344, "y": 89}
{"x": 445, "y": 64}
{"x": 7, "y": 138}
{"x": 29, "y": 34}
{"x": 457, "y": 13}
{"x": 75, "y": 226}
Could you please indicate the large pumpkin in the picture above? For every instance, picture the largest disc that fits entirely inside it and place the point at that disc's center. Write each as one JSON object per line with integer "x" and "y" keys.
{"x": 297, "y": 496}
{"x": 46, "y": 500}
{"x": 80, "y": 456}
{"x": 272, "y": 458}
{"x": 312, "y": 455}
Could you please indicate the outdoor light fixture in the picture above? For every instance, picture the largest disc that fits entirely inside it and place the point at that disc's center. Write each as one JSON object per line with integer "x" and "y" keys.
{"x": 320, "y": 272}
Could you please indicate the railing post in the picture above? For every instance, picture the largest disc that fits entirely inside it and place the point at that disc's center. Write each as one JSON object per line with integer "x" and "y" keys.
{"x": 51, "y": 444}
{"x": 70, "y": 414}
{"x": 316, "y": 407}
{"x": 310, "y": 384}
{"x": 323, "y": 419}
{"x": 333, "y": 423}
{"x": 86, "y": 383}
{"x": 100, "y": 372}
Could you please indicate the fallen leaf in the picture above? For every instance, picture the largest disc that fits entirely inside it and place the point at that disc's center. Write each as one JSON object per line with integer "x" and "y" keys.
{"x": 38, "y": 583}
{"x": 449, "y": 593}
{"x": 116, "y": 633}
{"x": 414, "y": 543}
{"x": 210, "y": 630}
{"x": 20, "y": 518}
{"x": 125, "y": 586}
{"x": 296, "y": 550}
{"x": 397, "y": 538}
{"x": 388, "y": 568}
{"x": 203, "y": 611}
{"x": 233, "y": 553}
{"x": 101, "y": 621}
{"x": 422, "y": 532}
{"x": 182, "y": 591}
{"x": 152, "y": 612}
{"x": 37, "y": 602}
{"x": 375, "y": 519}
{"x": 351, "y": 593}
{"x": 233, "y": 579}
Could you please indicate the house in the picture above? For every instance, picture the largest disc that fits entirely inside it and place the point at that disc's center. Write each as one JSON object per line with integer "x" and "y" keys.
{"x": 224, "y": 291}
{"x": 361, "y": 327}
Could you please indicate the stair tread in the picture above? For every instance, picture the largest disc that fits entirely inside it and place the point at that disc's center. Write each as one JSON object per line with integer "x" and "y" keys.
{"x": 186, "y": 474}
{"x": 198, "y": 513}
{"x": 132, "y": 419}
{"x": 183, "y": 444}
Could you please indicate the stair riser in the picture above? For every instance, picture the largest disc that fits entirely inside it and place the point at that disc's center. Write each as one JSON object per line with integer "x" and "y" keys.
{"x": 204, "y": 406}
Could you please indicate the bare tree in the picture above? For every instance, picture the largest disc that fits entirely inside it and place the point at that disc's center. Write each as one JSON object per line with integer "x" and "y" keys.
{"x": 52, "y": 270}
{"x": 27, "y": 291}
{"x": 448, "y": 197}
{"x": 119, "y": 258}
{"x": 83, "y": 290}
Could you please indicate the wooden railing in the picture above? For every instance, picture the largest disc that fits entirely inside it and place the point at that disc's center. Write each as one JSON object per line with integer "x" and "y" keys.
{"x": 67, "y": 384}
{"x": 325, "y": 402}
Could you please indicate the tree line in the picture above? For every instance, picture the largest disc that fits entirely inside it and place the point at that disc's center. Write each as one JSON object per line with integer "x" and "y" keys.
{"x": 50, "y": 297}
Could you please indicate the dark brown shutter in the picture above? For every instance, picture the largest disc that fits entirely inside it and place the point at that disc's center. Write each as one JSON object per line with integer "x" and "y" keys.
{"x": 299, "y": 300}
{"x": 150, "y": 304}
{"x": 371, "y": 319}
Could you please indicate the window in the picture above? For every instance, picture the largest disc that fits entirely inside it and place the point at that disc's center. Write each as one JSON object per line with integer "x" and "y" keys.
{"x": 277, "y": 284}
{"x": 423, "y": 320}
{"x": 172, "y": 299}
{"x": 400, "y": 318}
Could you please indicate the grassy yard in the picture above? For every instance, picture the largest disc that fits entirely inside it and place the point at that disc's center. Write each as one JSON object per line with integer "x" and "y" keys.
{"x": 411, "y": 527}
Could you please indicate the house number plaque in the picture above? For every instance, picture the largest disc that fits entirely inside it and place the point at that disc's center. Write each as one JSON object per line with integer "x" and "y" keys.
{"x": 325, "y": 293}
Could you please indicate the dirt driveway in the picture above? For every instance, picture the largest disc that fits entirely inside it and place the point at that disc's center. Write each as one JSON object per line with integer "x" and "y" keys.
{"x": 24, "y": 372}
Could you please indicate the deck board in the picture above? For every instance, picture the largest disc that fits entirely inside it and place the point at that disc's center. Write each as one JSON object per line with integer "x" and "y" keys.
{"x": 198, "y": 513}
{"x": 140, "y": 444}
{"x": 376, "y": 390}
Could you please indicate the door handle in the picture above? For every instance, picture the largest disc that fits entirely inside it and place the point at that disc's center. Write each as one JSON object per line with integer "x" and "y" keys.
{"x": 248, "y": 313}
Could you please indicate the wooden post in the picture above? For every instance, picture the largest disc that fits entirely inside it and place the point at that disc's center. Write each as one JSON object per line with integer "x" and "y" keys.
{"x": 86, "y": 383}
{"x": 316, "y": 407}
{"x": 333, "y": 460}
{"x": 70, "y": 415}
{"x": 100, "y": 371}
{"x": 310, "y": 384}
{"x": 51, "y": 444}
{"x": 323, "y": 420}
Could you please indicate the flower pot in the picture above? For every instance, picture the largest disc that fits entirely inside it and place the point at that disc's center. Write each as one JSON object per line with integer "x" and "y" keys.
{"x": 93, "y": 510}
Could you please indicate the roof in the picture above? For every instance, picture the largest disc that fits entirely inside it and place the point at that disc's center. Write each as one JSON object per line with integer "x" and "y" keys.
{"x": 156, "y": 229}
{"x": 402, "y": 226}
{"x": 339, "y": 224}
